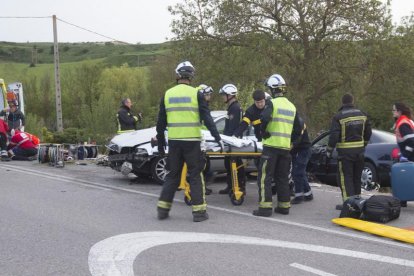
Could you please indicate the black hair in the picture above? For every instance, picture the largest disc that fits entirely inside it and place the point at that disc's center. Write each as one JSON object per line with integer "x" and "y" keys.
{"x": 259, "y": 95}
{"x": 347, "y": 99}
{"x": 404, "y": 109}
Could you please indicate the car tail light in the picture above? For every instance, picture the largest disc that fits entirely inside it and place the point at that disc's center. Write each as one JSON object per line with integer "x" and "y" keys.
{"x": 395, "y": 153}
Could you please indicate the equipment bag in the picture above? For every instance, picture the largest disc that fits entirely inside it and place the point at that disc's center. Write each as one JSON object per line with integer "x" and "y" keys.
{"x": 352, "y": 207}
{"x": 381, "y": 208}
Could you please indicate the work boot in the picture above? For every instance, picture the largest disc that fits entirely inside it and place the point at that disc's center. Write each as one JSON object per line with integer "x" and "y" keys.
{"x": 309, "y": 197}
{"x": 403, "y": 203}
{"x": 208, "y": 191}
{"x": 339, "y": 207}
{"x": 263, "y": 212}
{"x": 200, "y": 216}
{"x": 225, "y": 191}
{"x": 283, "y": 211}
{"x": 297, "y": 200}
{"x": 163, "y": 213}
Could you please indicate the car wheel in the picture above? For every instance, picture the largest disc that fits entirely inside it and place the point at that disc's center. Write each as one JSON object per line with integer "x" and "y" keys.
{"x": 369, "y": 177}
{"x": 158, "y": 169}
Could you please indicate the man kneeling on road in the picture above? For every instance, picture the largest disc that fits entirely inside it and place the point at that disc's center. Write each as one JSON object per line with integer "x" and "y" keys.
{"x": 21, "y": 147}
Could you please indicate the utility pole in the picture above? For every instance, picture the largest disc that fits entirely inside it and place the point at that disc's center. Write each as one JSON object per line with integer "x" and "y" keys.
{"x": 57, "y": 78}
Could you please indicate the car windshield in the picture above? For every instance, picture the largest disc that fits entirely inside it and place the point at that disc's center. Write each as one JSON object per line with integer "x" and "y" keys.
{"x": 377, "y": 137}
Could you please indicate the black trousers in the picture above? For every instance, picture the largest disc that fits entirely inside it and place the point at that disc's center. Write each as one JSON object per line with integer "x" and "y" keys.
{"x": 3, "y": 141}
{"x": 274, "y": 165}
{"x": 178, "y": 153}
{"x": 350, "y": 168}
{"x": 241, "y": 174}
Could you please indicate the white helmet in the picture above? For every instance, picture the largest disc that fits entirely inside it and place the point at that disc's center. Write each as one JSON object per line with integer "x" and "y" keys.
{"x": 275, "y": 81}
{"x": 185, "y": 70}
{"x": 205, "y": 89}
{"x": 228, "y": 89}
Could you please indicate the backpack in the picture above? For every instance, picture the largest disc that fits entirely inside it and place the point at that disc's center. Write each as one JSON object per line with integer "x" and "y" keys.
{"x": 381, "y": 208}
{"x": 352, "y": 207}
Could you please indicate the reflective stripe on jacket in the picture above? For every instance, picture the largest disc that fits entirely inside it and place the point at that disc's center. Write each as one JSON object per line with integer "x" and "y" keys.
{"x": 403, "y": 120}
{"x": 281, "y": 126}
{"x": 183, "y": 118}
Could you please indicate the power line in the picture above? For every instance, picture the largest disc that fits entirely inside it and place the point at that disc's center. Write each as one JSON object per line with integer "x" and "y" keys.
{"x": 20, "y": 17}
{"x": 79, "y": 27}
{"x": 82, "y": 28}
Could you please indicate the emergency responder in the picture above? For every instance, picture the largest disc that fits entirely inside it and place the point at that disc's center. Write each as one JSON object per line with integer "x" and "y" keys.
{"x": 232, "y": 122}
{"x": 206, "y": 91}
{"x": 126, "y": 120}
{"x": 252, "y": 115}
{"x": 301, "y": 152}
{"x": 404, "y": 132}
{"x": 21, "y": 146}
{"x": 15, "y": 117}
{"x": 182, "y": 109}
{"x": 349, "y": 134}
{"x": 280, "y": 126}
{"x": 4, "y": 128}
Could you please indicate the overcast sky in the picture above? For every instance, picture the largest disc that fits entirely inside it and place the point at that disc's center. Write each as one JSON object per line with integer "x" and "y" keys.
{"x": 133, "y": 21}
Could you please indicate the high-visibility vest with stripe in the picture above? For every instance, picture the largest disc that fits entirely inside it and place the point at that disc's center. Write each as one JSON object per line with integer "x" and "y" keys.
{"x": 281, "y": 126}
{"x": 183, "y": 118}
{"x": 352, "y": 122}
{"x": 403, "y": 120}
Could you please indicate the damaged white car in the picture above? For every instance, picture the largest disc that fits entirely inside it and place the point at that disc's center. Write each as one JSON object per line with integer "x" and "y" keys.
{"x": 135, "y": 152}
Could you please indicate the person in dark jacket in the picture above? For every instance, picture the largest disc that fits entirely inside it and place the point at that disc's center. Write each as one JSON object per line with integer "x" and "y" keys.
{"x": 404, "y": 133}
{"x": 301, "y": 152}
{"x": 15, "y": 117}
{"x": 349, "y": 134}
{"x": 252, "y": 115}
{"x": 181, "y": 110}
{"x": 234, "y": 115}
{"x": 126, "y": 120}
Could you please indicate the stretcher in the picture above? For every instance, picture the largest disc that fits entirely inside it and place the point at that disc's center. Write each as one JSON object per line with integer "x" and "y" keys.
{"x": 236, "y": 196}
{"x": 391, "y": 232}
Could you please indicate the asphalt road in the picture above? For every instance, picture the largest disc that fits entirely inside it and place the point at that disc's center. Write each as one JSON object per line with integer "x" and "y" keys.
{"x": 90, "y": 220}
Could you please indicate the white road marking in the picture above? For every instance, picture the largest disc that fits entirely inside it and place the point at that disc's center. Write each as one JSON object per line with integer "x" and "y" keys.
{"x": 249, "y": 215}
{"x": 115, "y": 256}
{"x": 311, "y": 269}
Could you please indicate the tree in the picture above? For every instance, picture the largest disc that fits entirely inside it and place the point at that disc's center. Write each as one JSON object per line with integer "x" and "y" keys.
{"x": 313, "y": 43}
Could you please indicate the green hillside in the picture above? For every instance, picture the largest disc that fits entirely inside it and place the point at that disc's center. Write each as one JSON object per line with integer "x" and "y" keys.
{"x": 112, "y": 54}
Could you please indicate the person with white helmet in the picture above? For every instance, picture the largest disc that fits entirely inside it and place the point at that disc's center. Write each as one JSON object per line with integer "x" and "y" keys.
{"x": 206, "y": 91}
{"x": 234, "y": 115}
{"x": 252, "y": 115}
{"x": 280, "y": 126}
{"x": 181, "y": 110}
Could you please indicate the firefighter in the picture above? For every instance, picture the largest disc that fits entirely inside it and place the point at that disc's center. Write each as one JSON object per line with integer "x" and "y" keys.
{"x": 349, "y": 134}
{"x": 252, "y": 115}
{"x": 234, "y": 115}
{"x": 301, "y": 153}
{"x": 181, "y": 110}
{"x": 126, "y": 120}
{"x": 404, "y": 132}
{"x": 206, "y": 91}
{"x": 280, "y": 126}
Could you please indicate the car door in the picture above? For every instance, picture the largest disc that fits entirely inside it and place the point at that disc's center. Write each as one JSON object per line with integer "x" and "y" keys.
{"x": 319, "y": 165}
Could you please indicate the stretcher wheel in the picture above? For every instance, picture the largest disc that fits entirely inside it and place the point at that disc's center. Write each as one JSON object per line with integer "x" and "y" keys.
{"x": 187, "y": 201}
{"x": 236, "y": 202}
